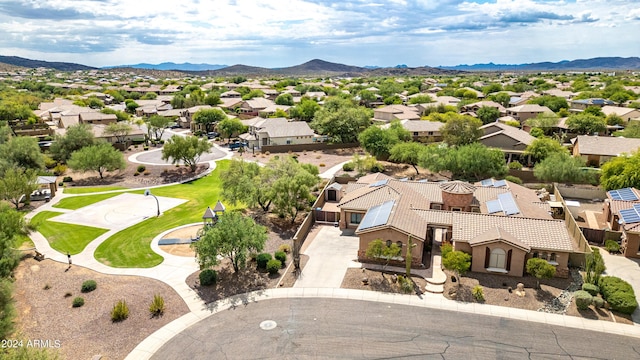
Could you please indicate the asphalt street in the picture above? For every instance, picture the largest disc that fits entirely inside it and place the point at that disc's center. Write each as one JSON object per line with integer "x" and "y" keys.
{"x": 352, "y": 329}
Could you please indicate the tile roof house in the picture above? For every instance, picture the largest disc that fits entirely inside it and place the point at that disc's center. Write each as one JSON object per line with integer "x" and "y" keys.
{"x": 254, "y": 106}
{"x": 582, "y": 104}
{"x": 422, "y": 130}
{"x": 509, "y": 139}
{"x": 389, "y": 113}
{"x": 525, "y": 112}
{"x": 621, "y": 210}
{"x": 478, "y": 105}
{"x": 625, "y": 113}
{"x": 500, "y": 223}
{"x": 596, "y": 150}
{"x": 276, "y": 131}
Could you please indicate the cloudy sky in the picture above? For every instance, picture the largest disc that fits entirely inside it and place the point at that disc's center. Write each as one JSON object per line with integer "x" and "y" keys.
{"x": 280, "y": 33}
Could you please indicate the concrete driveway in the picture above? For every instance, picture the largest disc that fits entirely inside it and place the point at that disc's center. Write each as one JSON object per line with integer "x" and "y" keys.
{"x": 330, "y": 253}
{"x": 627, "y": 270}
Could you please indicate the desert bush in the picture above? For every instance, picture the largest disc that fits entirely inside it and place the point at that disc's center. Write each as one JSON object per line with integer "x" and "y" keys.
{"x": 406, "y": 285}
{"x": 286, "y": 248}
{"x": 136, "y": 174}
{"x": 89, "y": 286}
{"x": 77, "y": 302}
{"x": 348, "y": 166}
{"x": 280, "y": 256}
{"x": 208, "y": 277}
{"x": 67, "y": 179}
{"x": 147, "y": 172}
{"x": 377, "y": 167}
{"x": 322, "y": 165}
{"x": 59, "y": 169}
{"x": 157, "y": 306}
{"x": 49, "y": 162}
{"x": 478, "y": 293}
{"x": 145, "y": 148}
{"x": 46, "y": 287}
{"x": 445, "y": 249}
{"x": 598, "y": 302}
{"x": 591, "y": 289}
{"x": 273, "y": 266}
{"x": 141, "y": 168}
{"x": 612, "y": 246}
{"x": 513, "y": 179}
{"x": 583, "y": 299}
{"x": 515, "y": 165}
{"x": 120, "y": 311}
{"x": 263, "y": 259}
{"x": 611, "y": 284}
{"x": 623, "y": 302}
{"x": 67, "y": 294}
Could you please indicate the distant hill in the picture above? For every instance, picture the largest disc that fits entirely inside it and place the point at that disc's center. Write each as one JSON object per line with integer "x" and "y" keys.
{"x": 599, "y": 63}
{"x": 172, "y": 66}
{"x": 28, "y": 63}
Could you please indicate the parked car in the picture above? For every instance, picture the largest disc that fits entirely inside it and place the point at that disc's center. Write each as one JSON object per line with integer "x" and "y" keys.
{"x": 237, "y": 144}
{"x": 212, "y": 135}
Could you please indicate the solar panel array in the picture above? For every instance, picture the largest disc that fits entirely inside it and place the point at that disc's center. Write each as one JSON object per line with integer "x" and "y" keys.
{"x": 505, "y": 203}
{"x": 377, "y": 215}
{"x": 630, "y": 216}
{"x": 625, "y": 194}
{"x": 379, "y": 183}
{"x": 493, "y": 183}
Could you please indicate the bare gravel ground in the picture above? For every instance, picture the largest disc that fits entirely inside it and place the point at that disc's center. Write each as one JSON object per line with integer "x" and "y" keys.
{"x": 88, "y": 330}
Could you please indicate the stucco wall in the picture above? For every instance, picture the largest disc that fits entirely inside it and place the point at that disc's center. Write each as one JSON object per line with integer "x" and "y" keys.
{"x": 517, "y": 258}
{"x": 632, "y": 245}
{"x": 394, "y": 236}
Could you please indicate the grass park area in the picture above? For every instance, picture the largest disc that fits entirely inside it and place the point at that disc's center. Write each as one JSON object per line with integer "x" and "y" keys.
{"x": 131, "y": 247}
{"x": 77, "y": 202}
{"x": 65, "y": 237}
{"x": 88, "y": 190}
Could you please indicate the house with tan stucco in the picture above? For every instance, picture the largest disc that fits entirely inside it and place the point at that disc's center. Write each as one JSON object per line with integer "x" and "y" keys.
{"x": 501, "y": 224}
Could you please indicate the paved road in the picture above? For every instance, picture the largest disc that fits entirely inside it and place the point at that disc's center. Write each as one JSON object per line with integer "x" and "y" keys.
{"x": 351, "y": 329}
{"x": 154, "y": 156}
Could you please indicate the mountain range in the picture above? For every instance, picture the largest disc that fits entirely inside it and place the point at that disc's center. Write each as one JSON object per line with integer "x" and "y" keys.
{"x": 318, "y": 67}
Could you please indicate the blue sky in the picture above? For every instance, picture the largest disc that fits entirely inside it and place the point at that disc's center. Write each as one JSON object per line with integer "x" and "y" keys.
{"x": 280, "y": 33}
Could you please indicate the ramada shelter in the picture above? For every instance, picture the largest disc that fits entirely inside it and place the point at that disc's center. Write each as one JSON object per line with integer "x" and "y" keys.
{"x": 501, "y": 224}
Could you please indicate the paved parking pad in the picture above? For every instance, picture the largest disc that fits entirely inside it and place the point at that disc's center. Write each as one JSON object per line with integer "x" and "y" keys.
{"x": 118, "y": 212}
{"x": 331, "y": 253}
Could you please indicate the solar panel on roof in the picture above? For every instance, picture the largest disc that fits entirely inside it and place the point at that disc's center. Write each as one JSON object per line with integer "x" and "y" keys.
{"x": 626, "y": 194}
{"x": 379, "y": 183}
{"x": 377, "y": 215}
{"x": 500, "y": 183}
{"x": 630, "y": 216}
{"x": 508, "y": 204}
{"x": 494, "y": 206}
{"x": 486, "y": 182}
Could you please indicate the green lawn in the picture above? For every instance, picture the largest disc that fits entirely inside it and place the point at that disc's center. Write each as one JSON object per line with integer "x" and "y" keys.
{"x": 88, "y": 190}
{"x": 65, "y": 237}
{"x": 77, "y": 202}
{"x": 131, "y": 247}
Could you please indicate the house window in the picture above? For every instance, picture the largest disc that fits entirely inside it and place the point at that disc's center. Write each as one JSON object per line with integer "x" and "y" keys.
{"x": 399, "y": 243}
{"x": 415, "y": 133}
{"x": 498, "y": 259}
{"x": 456, "y": 209}
{"x": 388, "y": 243}
{"x": 475, "y": 209}
{"x": 552, "y": 257}
{"x": 436, "y": 206}
{"x": 430, "y": 133}
{"x": 356, "y": 218}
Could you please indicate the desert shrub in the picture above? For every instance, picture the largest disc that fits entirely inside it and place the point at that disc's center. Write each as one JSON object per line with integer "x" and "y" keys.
{"x": 67, "y": 179}
{"x": 147, "y": 172}
{"x": 377, "y": 167}
{"x": 280, "y": 256}
{"x": 445, "y": 249}
{"x": 136, "y": 174}
{"x": 286, "y": 248}
{"x": 67, "y": 294}
{"x": 145, "y": 148}
{"x": 263, "y": 259}
{"x": 406, "y": 285}
{"x": 49, "y": 162}
{"x": 583, "y": 299}
{"x": 624, "y": 302}
{"x": 591, "y": 289}
{"x": 598, "y": 302}
{"x": 348, "y": 166}
{"x": 273, "y": 266}
{"x": 46, "y": 287}
{"x": 515, "y": 165}
{"x": 478, "y": 293}
{"x": 59, "y": 169}
{"x": 513, "y": 179}
{"x": 141, "y": 168}
{"x": 612, "y": 246}
{"x": 322, "y": 165}
{"x": 208, "y": 277}
{"x": 120, "y": 311}
{"x": 89, "y": 286}
{"x": 611, "y": 284}
{"x": 77, "y": 302}
{"x": 157, "y": 305}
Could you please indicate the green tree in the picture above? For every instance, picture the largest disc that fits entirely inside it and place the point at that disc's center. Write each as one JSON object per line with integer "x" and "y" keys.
{"x": 367, "y": 97}
{"x": 492, "y": 88}
{"x": 234, "y": 236}
{"x": 22, "y": 151}
{"x": 542, "y": 147}
{"x": 292, "y": 183}
{"x": 75, "y": 138}
{"x": 378, "y": 250}
{"x": 377, "y": 141}
{"x": 11, "y": 111}
{"x": 502, "y": 98}
{"x": 131, "y": 106}
{"x": 585, "y": 123}
{"x": 614, "y": 119}
{"x": 209, "y": 117}
{"x": 562, "y": 167}
{"x": 156, "y": 126}
{"x": 621, "y": 172}
{"x": 594, "y": 267}
{"x": 285, "y": 99}
{"x": 253, "y": 94}
{"x": 100, "y": 157}
{"x": 457, "y": 261}
{"x": 594, "y": 110}
{"x": 421, "y": 99}
{"x": 248, "y": 183}
{"x": 408, "y": 153}
{"x": 186, "y": 149}
{"x": 16, "y": 183}
{"x": 120, "y": 115}
{"x": 554, "y": 103}
{"x": 7, "y": 309}
{"x": 541, "y": 269}
{"x": 461, "y": 130}
{"x": 305, "y": 110}
{"x": 212, "y": 99}
{"x": 546, "y": 122}
{"x": 341, "y": 121}
{"x": 12, "y": 229}
{"x": 631, "y": 131}
{"x": 118, "y": 129}
{"x": 475, "y": 162}
{"x": 488, "y": 114}
{"x": 229, "y": 127}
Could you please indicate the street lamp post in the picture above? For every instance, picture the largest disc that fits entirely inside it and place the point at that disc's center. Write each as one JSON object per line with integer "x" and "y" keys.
{"x": 147, "y": 193}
